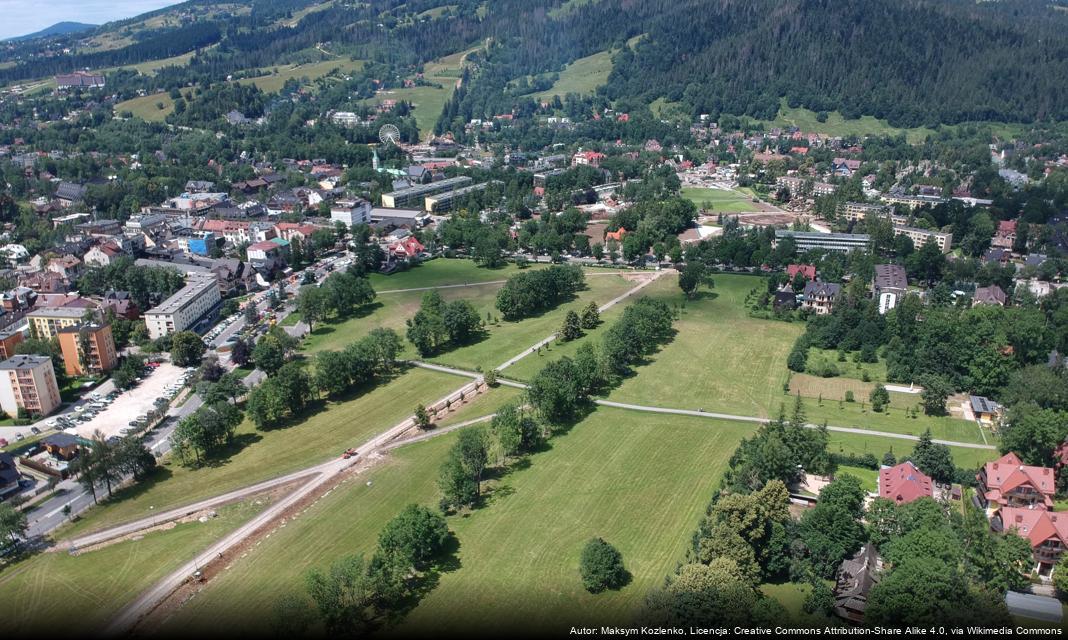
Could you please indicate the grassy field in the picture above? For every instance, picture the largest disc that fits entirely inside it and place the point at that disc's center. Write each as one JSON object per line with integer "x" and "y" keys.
{"x": 428, "y": 100}
{"x": 893, "y": 418}
{"x": 582, "y": 76}
{"x": 876, "y": 370}
{"x": 868, "y": 477}
{"x": 77, "y": 595}
{"x": 721, "y": 359}
{"x": 847, "y": 443}
{"x": 272, "y": 82}
{"x": 147, "y": 107}
{"x": 517, "y": 563}
{"x": 837, "y": 125}
{"x": 721, "y": 200}
{"x": 270, "y": 453}
{"x": 503, "y": 340}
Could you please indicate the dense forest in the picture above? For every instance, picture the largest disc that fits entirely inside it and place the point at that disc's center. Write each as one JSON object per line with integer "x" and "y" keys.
{"x": 912, "y": 62}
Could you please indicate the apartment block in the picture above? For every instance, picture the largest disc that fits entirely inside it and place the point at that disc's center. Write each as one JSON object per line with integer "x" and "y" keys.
{"x": 29, "y": 383}
{"x": 919, "y": 237}
{"x": 88, "y": 348}
{"x": 46, "y": 322}
{"x": 199, "y": 297}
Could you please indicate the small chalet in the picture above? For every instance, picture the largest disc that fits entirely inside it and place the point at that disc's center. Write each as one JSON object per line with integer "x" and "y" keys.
{"x": 62, "y": 446}
{"x": 855, "y": 578}
{"x": 989, "y": 295}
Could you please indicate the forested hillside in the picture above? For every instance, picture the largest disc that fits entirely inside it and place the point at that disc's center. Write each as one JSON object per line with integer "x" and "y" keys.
{"x": 912, "y": 62}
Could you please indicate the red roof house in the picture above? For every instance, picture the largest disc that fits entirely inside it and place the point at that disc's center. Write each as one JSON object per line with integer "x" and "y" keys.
{"x": 407, "y": 248}
{"x": 904, "y": 483}
{"x": 1007, "y": 482}
{"x": 807, "y": 270}
{"x": 1047, "y": 531}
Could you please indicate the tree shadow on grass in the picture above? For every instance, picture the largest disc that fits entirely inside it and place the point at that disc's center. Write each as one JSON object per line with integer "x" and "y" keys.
{"x": 160, "y": 475}
{"x": 223, "y": 455}
{"x": 422, "y": 584}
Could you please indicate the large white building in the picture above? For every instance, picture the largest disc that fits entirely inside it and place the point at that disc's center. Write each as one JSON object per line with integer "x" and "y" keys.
{"x": 29, "y": 383}
{"x": 837, "y": 242}
{"x": 919, "y": 237}
{"x": 184, "y": 309}
{"x": 350, "y": 213}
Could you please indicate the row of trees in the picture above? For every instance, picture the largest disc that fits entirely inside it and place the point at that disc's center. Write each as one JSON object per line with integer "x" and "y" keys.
{"x": 289, "y": 389}
{"x": 110, "y": 462}
{"x": 438, "y": 324}
{"x": 529, "y": 293}
{"x": 560, "y": 390}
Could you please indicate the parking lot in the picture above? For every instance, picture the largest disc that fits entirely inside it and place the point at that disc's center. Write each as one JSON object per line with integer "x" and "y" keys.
{"x": 134, "y": 403}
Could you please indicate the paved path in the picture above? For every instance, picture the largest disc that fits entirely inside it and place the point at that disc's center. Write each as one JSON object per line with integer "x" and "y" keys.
{"x": 604, "y": 307}
{"x": 482, "y": 284}
{"x": 708, "y": 414}
{"x": 728, "y": 416}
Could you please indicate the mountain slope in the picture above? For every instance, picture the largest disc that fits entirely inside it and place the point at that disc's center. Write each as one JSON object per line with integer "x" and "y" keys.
{"x": 58, "y": 29}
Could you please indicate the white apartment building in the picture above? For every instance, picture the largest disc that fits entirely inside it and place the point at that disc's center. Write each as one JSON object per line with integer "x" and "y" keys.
{"x": 184, "y": 309}
{"x": 353, "y": 212}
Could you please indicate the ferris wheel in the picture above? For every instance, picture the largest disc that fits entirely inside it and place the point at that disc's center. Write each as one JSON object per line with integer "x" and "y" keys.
{"x": 389, "y": 134}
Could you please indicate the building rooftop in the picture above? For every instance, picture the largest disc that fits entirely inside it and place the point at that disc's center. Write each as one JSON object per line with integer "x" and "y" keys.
{"x": 890, "y": 276}
{"x": 24, "y": 362}
{"x": 57, "y": 312}
{"x": 194, "y": 287}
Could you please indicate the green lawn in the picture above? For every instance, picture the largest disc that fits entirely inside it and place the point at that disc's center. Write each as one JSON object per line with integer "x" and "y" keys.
{"x": 856, "y": 444}
{"x": 837, "y": 125}
{"x": 893, "y": 419}
{"x": 517, "y": 563}
{"x": 721, "y": 200}
{"x": 482, "y": 405}
{"x": 850, "y": 369}
{"x": 440, "y": 272}
{"x": 272, "y": 82}
{"x": 70, "y": 595}
{"x": 270, "y": 453}
{"x": 868, "y": 477}
{"x": 427, "y": 100}
{"x": 504, "y": 339}
{"x": 721, "y": 359}
{"x": 147, "y": 107}
{"x": 582, "y": 76}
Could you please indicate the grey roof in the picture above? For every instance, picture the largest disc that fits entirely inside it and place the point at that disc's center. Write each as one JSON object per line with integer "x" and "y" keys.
{"x": 1029, "y": 605}
{"x": 8, "y": 472}
{"x": 70, "y": 191}
{"x": 982, "y": 405}
{"x": 815, "y": 289}
{"x": 989, "y": 295}
{"x": 24, "y": 362}
{"x": 62, "y": 440}
{"x": 890, "y": 276}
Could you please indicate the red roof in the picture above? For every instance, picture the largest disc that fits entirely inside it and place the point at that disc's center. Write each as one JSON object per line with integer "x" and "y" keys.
{"x": 1037, "y": 525}
{"x": 1008, "y": 473}
{"x": 1007, "y": 226}
{"x": 266, "y": 245}
{"x": 807, "y": 270}
{"x": 904, "y": 483}
{"x": 222, "y": 225}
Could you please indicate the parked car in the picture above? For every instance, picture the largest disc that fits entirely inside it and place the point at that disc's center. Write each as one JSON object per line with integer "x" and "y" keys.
{"x": 35, "y": 431}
